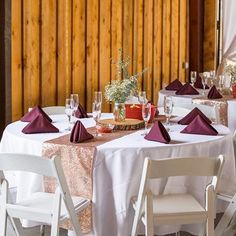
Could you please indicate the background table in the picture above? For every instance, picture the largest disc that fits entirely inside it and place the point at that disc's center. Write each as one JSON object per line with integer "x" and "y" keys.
{"x": 118, "y": 167}
{"x": 181, "y": 100}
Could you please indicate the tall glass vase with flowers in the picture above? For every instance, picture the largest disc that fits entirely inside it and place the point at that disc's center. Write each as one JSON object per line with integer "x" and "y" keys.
{"x": 230, "y": 69}
{"x": 125, "y": 85}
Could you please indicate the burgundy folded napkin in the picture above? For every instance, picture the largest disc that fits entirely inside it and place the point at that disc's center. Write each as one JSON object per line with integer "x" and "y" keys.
{"x": 198, "y": 84}
{"x": 191, "y": 115}
{"x": 30, "y": 116}
{"x": 187, "y": 89}
{"x": 40, "y": 124}
{"x": 79, "y": 133}
{"x": 214, "y": 93}
{"x": 199, "y": 126}
{"x": 158, "y": 133}
{"x": 174, "y": 85}
{"x": 80, "y": 112}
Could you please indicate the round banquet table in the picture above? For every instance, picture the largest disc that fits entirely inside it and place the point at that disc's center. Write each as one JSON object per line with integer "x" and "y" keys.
{"x": 180, "y": 100}
{"x": 117, "y": 170}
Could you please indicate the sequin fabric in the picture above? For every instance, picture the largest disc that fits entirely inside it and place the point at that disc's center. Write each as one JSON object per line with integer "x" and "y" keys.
{"x": 220, "y": 103}
{"x": 77, "y": 162}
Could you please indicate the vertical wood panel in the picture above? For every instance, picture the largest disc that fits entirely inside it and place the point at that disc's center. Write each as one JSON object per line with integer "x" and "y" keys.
{"x": 78, "y": 50}
{"x": 31, "y": 53}
{"x": 92, "y": 51}
{"x": 128, "y": 31}
{"x": 64, "y": 51}
{"x": 183, "y": 43}
{"x": 174, "y": 39}
{"x": 48, "y": 59}
{"x": 16, "y": 88}
{"x": 71, "y": 50}
{"x": 157, "y": 49}
{"x": 116, "y": 33}
{"x": 138, "y": 40}
{"x": 166, "y": 42}
{"x": 104, "y": 47}
{"x": 148, "y": 47}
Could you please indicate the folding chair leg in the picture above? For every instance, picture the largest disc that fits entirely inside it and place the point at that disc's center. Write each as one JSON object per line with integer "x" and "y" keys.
{"x": 149, "y": 215}
{"x": 202, "y": 231}
{"x": 226, "y": 218}
{"x": 56, "y": 214}
{"x": 18, "y": 227}
{"x": 3, "y": 210}
{"x": 42, "y": 230}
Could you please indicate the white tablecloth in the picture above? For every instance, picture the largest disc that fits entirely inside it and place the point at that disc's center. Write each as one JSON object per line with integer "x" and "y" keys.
{"x": 179, "y": 100}
{"x": 118, "y": 167}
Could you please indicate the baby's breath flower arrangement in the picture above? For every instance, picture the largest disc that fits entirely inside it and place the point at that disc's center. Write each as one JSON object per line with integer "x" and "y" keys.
{"x": 231, "y": 70}
{"x": 119, "y": 90}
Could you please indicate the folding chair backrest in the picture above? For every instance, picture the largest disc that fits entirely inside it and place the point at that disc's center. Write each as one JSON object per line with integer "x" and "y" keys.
{"x": 54, "y": 110}
{"x": 28, "y": 163}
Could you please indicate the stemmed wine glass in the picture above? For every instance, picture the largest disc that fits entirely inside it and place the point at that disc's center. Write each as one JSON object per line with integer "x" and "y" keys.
{"x": 96, "y": 110}
{"x": 142, "y": 97}
{"x": 221, "y": 82}
{"x": 75, "y": 104}
{"x": 212, "y": 77}
{"x": 168, "y": 108}
{"x": 193, "y": 77}
{"x": 98, "y": 96}
{"x": 68, "y": 111}
{"x": 146, "y": 113}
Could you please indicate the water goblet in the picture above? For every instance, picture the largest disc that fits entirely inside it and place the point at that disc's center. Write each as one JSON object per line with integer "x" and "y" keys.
{"x": 98, "y": 96}
{"x": 221, "y": 82}
{"x": 68, "y": 111}
{"x": 193, "y": 77}
{"x": 96, "y": 111}
{"x": 142, "y": 97}
{"x": 212, "y": 77}
{"x": 168, "y": 108}
{"x": 75, "y": 103}
{"x": 146, "y": 113}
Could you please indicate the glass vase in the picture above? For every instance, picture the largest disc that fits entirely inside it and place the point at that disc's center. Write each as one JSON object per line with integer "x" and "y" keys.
{"x": 119, "y": 112}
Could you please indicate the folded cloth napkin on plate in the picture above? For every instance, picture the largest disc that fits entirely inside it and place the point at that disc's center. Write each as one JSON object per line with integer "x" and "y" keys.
{"x": 79, "y": 133}
{"x": 191, "y": 115}
{"x": 174, "y": 85}
{"x": 214, "y": 93}
{"x": 158, "y": 133}
{"x": 198, "y": 83}
{"x": 30, "y": 116}
{"x": 187, "y": 89}
{"x": 80, "y": 112}
{"x": 40, "y": 124}
{"x": 199, "y": 126}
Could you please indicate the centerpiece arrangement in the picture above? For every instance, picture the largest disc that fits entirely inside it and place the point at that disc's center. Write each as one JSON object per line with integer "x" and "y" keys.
{"x": 125, "y": 85}
{"x": 230, "y": 69}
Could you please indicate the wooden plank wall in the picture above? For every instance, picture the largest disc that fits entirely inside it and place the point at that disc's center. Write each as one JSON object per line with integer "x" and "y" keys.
{"x": 65, "y": 46}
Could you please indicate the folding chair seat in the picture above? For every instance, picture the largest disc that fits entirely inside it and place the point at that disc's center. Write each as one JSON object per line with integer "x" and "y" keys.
{"x": 180, "y": 208}
{"x": 46, "y": 208}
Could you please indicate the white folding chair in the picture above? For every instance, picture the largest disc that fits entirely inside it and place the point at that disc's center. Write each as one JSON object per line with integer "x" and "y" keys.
{"x": 46, "y": 208}
{"x": 54, "y": 110}
{"x": 226, "y": 225}
{"x": 178, "y": 208}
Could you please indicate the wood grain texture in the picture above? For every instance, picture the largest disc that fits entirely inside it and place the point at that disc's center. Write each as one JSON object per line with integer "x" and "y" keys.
{"x": 48, "y": 52}
{"x": 65, "y": 47}
{"x": 92, "y": 51}
{"x": 104, "y": 48}
{"x": 79, "y": 50}
{"x": 16, "y": 47}
{"x": 64, "y": 25}
{"x": 31, "y": 50}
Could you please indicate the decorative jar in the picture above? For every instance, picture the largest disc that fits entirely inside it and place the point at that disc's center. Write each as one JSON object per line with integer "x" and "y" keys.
{"x": 119, "y": 112}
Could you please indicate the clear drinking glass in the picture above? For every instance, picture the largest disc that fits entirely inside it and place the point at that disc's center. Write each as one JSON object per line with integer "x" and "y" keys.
{"x": 75, "y": 103}
{"x": 168, "y": 108}
{"x": 193, "y": 77}
{"x": 212, "y": 77}
{"x": 142, "y": 97}
{"x": 98, "y": 96}
{"x": 221, "y": 82}
{"x": 96, "y": 110}
{"x": 146, "y": 113}
{"x": 68, "y": 111}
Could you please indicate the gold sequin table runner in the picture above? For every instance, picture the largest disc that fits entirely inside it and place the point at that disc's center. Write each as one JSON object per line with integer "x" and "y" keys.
{"x": 77, "y": 162}
{"x": 220, "y": 103}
